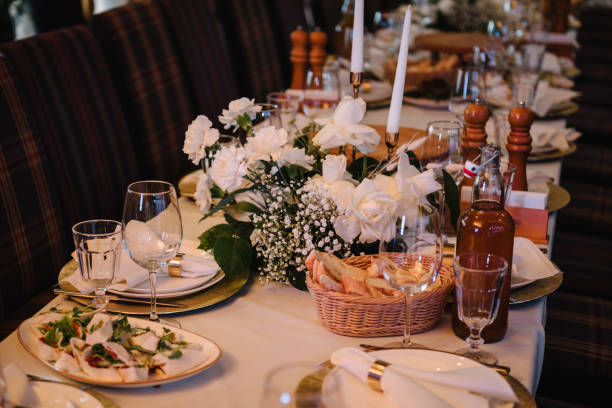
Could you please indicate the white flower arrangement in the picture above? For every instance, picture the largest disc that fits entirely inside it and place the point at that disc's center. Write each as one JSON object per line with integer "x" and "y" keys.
{"x": 285, "y": 195}
{"x": 199, "y": 137}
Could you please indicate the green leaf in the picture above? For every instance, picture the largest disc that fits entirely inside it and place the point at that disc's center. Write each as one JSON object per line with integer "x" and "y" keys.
{"x": 245, "y": 206}
{"x": 216, "y": 192}
{"x": 361, "y": 167}
{"x": 298, "y": 279}
{"x": 224, "y": 201}
{"x": 301, "y": 142}
{"x": 233, "y": 254}
{"x": 209, "y": 238}
{"x": 451, "y": 196}
{"x": 175, "y": 354}
{"x": 244, "y": 121}
{"x": 242, "y": 229}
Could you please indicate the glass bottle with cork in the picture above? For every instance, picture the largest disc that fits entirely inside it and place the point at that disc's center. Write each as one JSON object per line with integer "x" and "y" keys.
{"x": 488, "y": 228}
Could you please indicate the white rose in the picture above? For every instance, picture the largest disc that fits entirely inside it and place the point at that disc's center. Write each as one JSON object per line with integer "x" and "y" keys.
{"x": 334, "y": 168}
{"x": 252, "y": 196}
{"x": 202, "y": 195}
{"x": 229, "y": 168}
{"x": 375, "y": 211}
{"x": 343, "y": 127}
{"x": 341, "y": 192}
{"x": 198, "y": 137}
{"x": 297, "y": 156}
{"x": 237, "y": 108}
{"x": 387, "y": 185}
{"x": 413, "y": 184}
{"x": 267, "y": 143}
{"x": 347, "y": 227}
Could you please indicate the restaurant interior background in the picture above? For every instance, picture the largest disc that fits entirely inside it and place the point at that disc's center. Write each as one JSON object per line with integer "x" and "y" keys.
{"x": 578, "y": 357}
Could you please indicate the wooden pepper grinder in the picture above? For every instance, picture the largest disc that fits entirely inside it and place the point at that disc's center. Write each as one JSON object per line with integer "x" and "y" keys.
{"x": 519, "y": 143}
{"x": 475, "y": 116}
{"x": 298, "y": 57}
{"x": 317, "y": 56}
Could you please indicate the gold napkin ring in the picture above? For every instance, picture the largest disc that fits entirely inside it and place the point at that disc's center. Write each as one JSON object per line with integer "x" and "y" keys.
{"x": 375, "y": 373}
{"x": 174, "y": 266}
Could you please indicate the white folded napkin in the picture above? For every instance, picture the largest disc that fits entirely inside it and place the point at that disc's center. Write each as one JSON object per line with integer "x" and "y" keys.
{"x": 530, "y": 262}
{"x": 407, "y": 387}
{"x": 546, "y": 137}
{"x": 547, "y": 97}
{"x": 195, "y": 263}
{"x": 17, "y": 390}
{"x": 550, "y": 63}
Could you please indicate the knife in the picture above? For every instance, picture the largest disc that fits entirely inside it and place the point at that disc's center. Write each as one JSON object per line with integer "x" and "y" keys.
{"x": 115, "y": 298}
{"x": 504, "y": 370}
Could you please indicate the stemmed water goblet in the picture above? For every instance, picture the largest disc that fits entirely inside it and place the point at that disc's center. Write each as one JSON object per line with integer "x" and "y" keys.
{"x": 478, "y": 281}
{"x": 469, "y": 85}
{"x": 411, "y": 258}
{"x": 152, "y": 228}
{"x": 98, "y": 248}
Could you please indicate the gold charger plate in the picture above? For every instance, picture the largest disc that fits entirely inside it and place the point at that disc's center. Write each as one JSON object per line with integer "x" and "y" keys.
{"x": 555, "y": 154}
{"x": 313, "y": 384}
{"x": 539, "y": 288}
{"x": 568, "y": 108}
{"x": 219, "y": 292}
{"x": 558, "y": 197}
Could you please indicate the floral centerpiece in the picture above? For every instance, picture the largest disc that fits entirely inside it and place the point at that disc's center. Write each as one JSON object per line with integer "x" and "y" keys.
{"x": 285, "y": 193}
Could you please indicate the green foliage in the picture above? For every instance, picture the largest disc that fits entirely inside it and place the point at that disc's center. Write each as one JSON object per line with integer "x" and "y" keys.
{"x": 361, "y": 167}
{"x": 208, "y": 238}
{"x": 233, "y": 254}
{"x": 227, "y": 199}
{"x": 451, "y": 194}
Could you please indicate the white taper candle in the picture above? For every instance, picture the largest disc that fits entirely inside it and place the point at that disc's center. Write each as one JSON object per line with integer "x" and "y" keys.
{"x": 357, "y": 47}
{"x": 393, "y": 120}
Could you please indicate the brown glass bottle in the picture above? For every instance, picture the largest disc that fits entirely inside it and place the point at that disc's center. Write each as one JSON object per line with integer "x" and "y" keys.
{"x": 343, "y": 31}
{"x": 487, "y": 227}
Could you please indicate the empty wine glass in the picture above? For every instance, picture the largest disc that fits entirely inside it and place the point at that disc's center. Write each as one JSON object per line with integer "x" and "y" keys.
{"x": 469, "y": 84}
{"x": 411, "y": 258}
{"x": 322, "y": 92}
{"x": 299, "y": 384}
{"x": 478, "y": 281}
{"x": 288, "y": 106}
{"x": 98, "y": 249}
{"x": 152, "y": 228}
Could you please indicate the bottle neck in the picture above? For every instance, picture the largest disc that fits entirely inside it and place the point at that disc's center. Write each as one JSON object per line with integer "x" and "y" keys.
{"x": 489, "y": 183}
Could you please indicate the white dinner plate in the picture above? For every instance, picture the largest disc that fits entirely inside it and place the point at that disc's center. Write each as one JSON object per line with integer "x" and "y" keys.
{"x": 378, "y": 91}
{"x": 28, "y": 340}
{"x": 165, "y": 295}
{"x": 54, "y": 394}
{"x": 170, "y": 284}
{"x": 427, "y": 103}
{"x": 518, "y": 282}
{"x": 187, "y": 184}
{"x": 355, "y": 394}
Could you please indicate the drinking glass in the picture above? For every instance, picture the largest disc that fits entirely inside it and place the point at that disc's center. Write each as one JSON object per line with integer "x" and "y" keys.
{"x": 478, "y": 281}
{"x": 502, "y": 128}
{"x": 268, "y": 115}
{"x": 152, "y": 228}
{"x": 524, "y": 88}
{"x": 98, "y": 249}
{"x": 288, "y": 106}
{"x": 322, "y": 92}
{"x": 299, "y": 385}
{"x": 469, "y": 85}
{"x": 411, "y": 258}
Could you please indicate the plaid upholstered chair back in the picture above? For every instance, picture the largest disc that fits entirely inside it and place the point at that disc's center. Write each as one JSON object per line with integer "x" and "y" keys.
{"x": 255, "y": 56}
{"x": 79, "y": 119}
{"x": 32, "y": 247}
{"x": 150, "y": 79}
{"x": 204, "y": 51}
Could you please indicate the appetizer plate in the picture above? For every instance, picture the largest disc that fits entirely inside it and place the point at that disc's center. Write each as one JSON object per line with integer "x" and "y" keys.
{"x": 29, "y": 340}
{"x": 166, "y": 282}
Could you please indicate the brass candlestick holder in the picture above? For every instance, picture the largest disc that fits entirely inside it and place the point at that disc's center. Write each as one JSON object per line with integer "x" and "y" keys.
{"x": 391, "y": 140}
{"x": 356, "y": 81}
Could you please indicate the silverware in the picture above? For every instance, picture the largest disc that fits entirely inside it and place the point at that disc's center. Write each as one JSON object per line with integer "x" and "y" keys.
{"x": 504, "y": 370}
{"x": 115, "y": 298}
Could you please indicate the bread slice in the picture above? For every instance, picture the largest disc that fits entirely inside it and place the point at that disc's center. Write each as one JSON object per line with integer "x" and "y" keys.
{"x": 383, "y": 286}
{"x": 337, "y": 269}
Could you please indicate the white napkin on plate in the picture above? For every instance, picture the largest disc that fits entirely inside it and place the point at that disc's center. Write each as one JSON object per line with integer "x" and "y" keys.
{"x": 15, "y": 388}
{"x": 195, "y": 263}
{"x": 530, "y": 262}
{"x": 407, "y": 387}
{"x": 547, "y": 137}
{"x": 548, "y": 97}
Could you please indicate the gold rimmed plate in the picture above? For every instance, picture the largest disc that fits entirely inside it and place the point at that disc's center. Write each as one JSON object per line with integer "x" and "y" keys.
{"x": 28, "y": 339}
{"x": 558, "y": 197}
{"x": 536, "y": 290}
{"x": 416, "y": 358}
{"x": 555, "y": 154}
{"x": 224, "y": 289}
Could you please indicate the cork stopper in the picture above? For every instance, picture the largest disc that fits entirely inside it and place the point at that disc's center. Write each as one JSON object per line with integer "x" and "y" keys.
{"x": 317, "y": 55}
{"x": 298, "y": 57}
{"x": 519, "y": 143}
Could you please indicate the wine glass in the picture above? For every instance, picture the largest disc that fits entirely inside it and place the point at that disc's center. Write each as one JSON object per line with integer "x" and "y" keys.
{"x": 468, "y": 86}
{"x": 411, "y": 258}
{"x": 322, "y": 92}
{"x": 299, "y": 384}
{"x": 98, "y": 249}
{"x": 152, "y": 228}
{"x": 287, "y": 107}
{"x": 478, "y": 281}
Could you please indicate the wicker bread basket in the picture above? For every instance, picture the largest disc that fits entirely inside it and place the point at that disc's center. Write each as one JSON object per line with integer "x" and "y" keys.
{"x": 368, "y": 316}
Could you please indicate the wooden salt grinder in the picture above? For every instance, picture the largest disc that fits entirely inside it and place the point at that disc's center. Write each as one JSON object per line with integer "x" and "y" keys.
{"x": 298, "y": 57}
{"x": 475, "y": 116}
{"x": 519, "y": 143}
{"x": 317, "y": 55}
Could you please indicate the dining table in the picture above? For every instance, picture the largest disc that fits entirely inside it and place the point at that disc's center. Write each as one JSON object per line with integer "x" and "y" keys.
{"x": 264, "y": 325}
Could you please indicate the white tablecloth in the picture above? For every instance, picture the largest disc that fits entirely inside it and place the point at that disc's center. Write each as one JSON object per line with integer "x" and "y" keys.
{"x": 263, "y": 327}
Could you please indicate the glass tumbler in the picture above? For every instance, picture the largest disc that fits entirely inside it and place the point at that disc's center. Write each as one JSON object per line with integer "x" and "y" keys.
{"x": 98, "y": 246}
{"x": 288, "y": 106}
